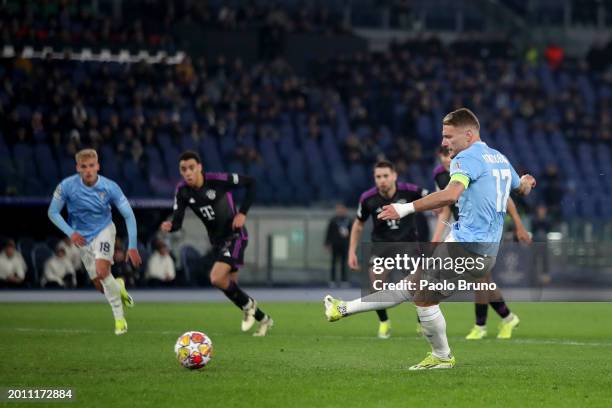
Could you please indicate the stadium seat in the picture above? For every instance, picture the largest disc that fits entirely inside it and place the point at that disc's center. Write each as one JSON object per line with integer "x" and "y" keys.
{"x": 190, "y": 261}
{"x": 40, "y": 254}
{"x": 209, "y": 152}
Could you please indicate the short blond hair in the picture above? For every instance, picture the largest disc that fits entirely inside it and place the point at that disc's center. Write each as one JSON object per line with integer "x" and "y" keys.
{"x": 462, "y": 117}
{"x": 86, "y": 154}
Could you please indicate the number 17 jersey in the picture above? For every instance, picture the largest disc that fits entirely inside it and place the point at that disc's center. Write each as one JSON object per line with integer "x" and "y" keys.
{"x": 488, "y": 178}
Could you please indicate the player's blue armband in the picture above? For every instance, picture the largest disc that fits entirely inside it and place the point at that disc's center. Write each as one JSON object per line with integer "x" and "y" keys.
{"x": 130, "y": 221}
{"x": 56, "y": 218}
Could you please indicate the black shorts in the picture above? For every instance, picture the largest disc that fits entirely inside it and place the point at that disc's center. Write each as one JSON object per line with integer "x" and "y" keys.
{"x": 231, "y": 251}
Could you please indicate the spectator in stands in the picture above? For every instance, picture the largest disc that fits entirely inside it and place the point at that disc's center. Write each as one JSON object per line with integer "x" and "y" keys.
{"x": 553, "y": 192}
{"x": 540, "y": 227}
{"x": 12, "y": 266}
{"x": 160, "y": 268}
{"x": 554, "y": 56}
{"x": 74, "y": 256}
{"x": 337, "y": 242}
{"x": 58, "y": 271}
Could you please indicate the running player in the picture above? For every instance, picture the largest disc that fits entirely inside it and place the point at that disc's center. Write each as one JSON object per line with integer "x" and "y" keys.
{"x": 386, "y": 191}
{"x": 481, "y": 180}
{"x": 209, "y": 195}
{"x": 482, "y": 298}
{"x": 88, "y": 197}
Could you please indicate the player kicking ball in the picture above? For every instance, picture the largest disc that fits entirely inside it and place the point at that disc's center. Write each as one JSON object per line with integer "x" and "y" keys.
{"x": 88, "y": 197}
{"x": 209, "y": 195}
{"x": 483, "y": 298}
{"x": 481, "y": 180}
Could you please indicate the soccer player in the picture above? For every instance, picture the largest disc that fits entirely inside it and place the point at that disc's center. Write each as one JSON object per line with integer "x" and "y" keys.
{"x": 483, "y": 298}
{"x": 88, "y": 197}
{"x": 386, "y": 191}
{"x": 209, "y": 195}
{"x": 481, "y": 180}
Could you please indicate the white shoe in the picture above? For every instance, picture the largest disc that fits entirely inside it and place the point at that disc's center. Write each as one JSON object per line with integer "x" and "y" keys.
{"x": 248, "y": 320}
{"x": 265, "y": 324}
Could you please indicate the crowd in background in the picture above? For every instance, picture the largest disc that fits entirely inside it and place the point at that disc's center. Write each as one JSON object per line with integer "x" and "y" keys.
{"x": 290, "y": 130}
{"x": 150, "y": 24}
{"x": 57, "y": 264}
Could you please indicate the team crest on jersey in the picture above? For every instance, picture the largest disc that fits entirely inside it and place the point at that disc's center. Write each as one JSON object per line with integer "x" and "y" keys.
{"x": 211, "y": 194}
{"x": 101, "y": 194}
{"x": 378, "y": 210}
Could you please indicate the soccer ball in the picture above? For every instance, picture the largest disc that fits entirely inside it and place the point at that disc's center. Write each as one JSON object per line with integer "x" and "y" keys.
{"x": 193, "y": 350}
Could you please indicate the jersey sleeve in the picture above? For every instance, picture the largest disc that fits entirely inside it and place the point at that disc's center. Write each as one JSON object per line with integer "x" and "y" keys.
{"x": 233, "y": 181}
{"x": 55, "y": 208}
{"x": 123, "y": 205}
{"x": 465, "y": 169}
{"x": 516, "y": 180}
{"x": 178, "y": 210}
{"x": 363, "y": 212}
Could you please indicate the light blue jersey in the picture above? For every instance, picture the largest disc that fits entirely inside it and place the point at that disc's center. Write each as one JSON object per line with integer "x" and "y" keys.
{"x": 89, "y": 208}
{"x": 489, "y": 177}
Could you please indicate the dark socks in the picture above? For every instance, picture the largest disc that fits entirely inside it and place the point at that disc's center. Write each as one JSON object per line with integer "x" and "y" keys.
{"x": 240, "y": 299}
{"x": 481, "y": 313}
{"x": 236, "y": 295}
{"x": 382, "y": 315}
{"x": 259, "y": 315}
{"x": 501, "y": 308}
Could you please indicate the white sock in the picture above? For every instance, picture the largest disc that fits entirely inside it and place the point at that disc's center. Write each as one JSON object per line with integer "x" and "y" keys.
{"x": 434, "y": 328}
{"x": 383, "y": 299}
{"x": 112, "y": 291}
{"x": 508, "y": 318}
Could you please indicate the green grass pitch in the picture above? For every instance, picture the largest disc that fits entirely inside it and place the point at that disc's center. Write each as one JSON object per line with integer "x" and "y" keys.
{"x": 561, "y": 356}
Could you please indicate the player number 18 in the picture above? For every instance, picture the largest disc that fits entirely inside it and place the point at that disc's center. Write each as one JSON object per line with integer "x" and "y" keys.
{"x": 502, "y": 192}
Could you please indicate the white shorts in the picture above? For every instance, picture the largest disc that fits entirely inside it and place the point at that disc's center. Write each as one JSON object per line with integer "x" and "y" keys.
{"x": 101, "y": 247}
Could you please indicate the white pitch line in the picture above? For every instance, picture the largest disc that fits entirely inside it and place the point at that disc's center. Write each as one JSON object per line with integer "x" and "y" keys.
{"x": 559, "y": 342}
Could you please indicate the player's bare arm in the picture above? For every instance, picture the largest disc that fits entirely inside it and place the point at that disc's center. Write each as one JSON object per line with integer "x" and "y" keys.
{"x": 443, "y": 217}
{"x": 439, "y": 199}
{"x": 134, "y": 257}
{"x": 521, "y": 232}
{"x": 356, "y": 231}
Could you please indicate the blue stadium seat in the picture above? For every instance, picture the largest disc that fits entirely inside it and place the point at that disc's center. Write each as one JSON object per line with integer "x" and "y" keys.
{"x": 67, "y": 166}
{"x": 164, "y": 141}
{"x": 48, "y": 168}
{"x": 209, "y": 152}
{"x": 171, "y": 155}
{"x": 40, "y": 254}
{"x": 190, "y": 261}
{"x": 188, "y": 143}
{"x": 24, "y": 160}
{"x": 154, "y": 162}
